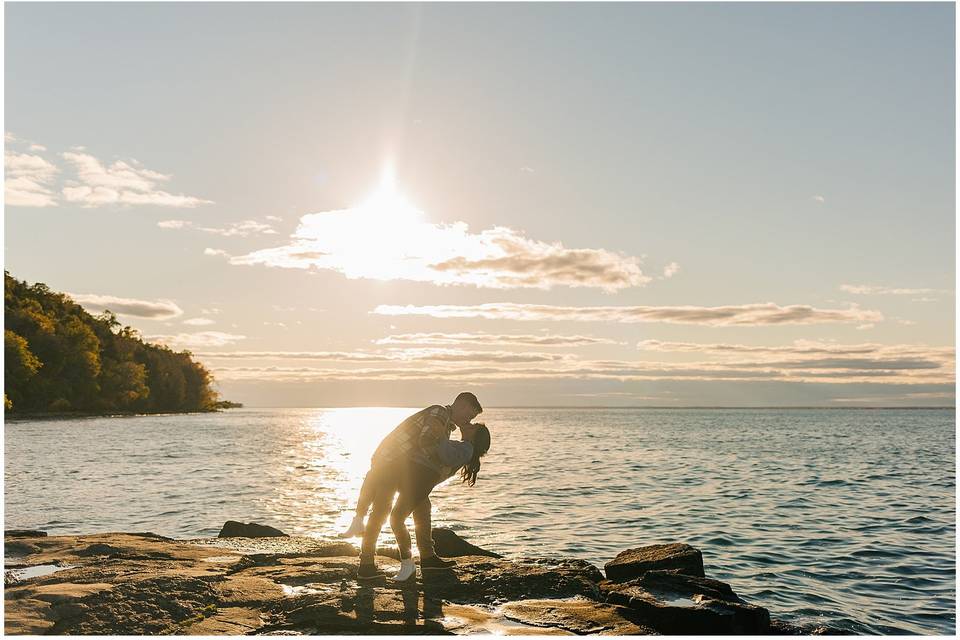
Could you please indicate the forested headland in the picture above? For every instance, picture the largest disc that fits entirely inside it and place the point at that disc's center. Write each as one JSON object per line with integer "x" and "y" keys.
{"x": 58, "y": 358}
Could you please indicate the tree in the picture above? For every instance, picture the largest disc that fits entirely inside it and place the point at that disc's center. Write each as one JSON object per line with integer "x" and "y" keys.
{"x": 61, "y": 358}
{"x": 19, "y": 366}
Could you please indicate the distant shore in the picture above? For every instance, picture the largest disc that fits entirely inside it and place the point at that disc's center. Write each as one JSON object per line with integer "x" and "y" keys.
{"x": 71, "y": 415}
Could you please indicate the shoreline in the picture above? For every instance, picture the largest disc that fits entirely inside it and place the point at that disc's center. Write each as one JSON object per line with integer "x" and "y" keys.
{"x": 57, "y": 416}
{"x": 144, "y": 583}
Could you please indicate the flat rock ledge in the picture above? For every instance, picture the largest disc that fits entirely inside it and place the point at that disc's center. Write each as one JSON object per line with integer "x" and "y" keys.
{"x": 146, "y": 584}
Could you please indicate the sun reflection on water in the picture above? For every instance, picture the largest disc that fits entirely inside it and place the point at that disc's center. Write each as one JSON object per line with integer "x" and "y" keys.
{"x": 334, "y": 457}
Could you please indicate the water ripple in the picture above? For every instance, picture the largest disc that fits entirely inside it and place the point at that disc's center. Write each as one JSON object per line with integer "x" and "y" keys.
{"x": 843, "y": 518}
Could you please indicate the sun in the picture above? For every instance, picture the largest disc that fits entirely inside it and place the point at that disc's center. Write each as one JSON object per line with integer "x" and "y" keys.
{"x": 387, "y": 205}
{"x": 386, "y": 230}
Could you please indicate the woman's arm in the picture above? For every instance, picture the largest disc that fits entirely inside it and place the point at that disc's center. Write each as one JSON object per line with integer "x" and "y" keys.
{"x": 455, "y": 453}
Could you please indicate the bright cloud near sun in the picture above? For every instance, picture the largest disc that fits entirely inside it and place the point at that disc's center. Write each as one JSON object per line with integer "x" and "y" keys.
{"x": 386, "y": 238}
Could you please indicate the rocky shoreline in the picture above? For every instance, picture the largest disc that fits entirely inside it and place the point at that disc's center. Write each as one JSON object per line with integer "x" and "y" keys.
{"x": 257, "y": 580}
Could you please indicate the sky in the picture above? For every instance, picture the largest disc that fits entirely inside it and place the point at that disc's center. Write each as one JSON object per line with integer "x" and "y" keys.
{"x": 546, "y": 204}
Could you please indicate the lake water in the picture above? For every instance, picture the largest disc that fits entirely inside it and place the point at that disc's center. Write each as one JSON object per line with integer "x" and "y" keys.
{"x": 839, "y": 517}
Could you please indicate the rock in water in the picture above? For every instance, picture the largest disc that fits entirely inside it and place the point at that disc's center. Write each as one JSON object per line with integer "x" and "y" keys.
{"x": 24, "y": 533}
{"x": 633, "y": 563}
{"x": 448, "y": 544}
{"x": 234, "y": 529}
{"x": 677, "y": 603}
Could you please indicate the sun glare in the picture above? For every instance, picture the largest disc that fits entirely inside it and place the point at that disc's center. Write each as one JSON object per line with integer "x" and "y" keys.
{"x": 389, "y": 225}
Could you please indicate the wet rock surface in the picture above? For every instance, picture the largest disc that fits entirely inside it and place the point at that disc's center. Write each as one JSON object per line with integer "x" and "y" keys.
{"x": 234, "y": 529}
{"x": 24, "y": 533}
{"x": 448, "y": 544}
{"x": 119, "y": 583}
{"x": 676, "y": 603}
{"x": 633, "y": 563}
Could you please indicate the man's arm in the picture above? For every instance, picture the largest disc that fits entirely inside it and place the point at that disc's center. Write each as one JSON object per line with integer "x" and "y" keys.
{"x": 434, "y": 432}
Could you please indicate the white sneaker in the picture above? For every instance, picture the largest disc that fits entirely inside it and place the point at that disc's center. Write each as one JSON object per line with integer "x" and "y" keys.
{"x": 407, "y": 570}
{"x": 355, "y": 529}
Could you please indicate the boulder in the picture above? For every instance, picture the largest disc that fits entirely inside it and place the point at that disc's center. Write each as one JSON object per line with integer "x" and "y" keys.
{"x": 24, "y": 533}
{"x": 448, "y": 544}
{"x": 234, "y": 529}
{"x": 578, "y": 616}
{"x": 633, "y": 563}
{"x": 479, "y": 580}
{"x": 676, "y": 603}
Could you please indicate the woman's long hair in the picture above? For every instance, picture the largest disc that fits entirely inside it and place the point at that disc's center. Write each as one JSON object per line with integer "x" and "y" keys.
{"x": 481, "y": 444}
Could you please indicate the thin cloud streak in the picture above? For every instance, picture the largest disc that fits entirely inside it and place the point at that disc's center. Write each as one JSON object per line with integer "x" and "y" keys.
{"x": 582, "y": 372}
{"x": 200, "y": 340}
{"x": 799, "y": 347}
{"x": 398, "y": 355}
{"x": 241, "y": 229}
{"x": 491, "y": 339}
{"x": 149, "y": 309}
{"x": 879, "y": 290}
{"x": 732, "y": 315}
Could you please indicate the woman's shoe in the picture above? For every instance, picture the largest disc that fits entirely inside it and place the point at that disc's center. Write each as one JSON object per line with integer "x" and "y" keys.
{"x": 407, "y": 570}
{"x": 355, "y": 529}
{"x": 436, "y": 562}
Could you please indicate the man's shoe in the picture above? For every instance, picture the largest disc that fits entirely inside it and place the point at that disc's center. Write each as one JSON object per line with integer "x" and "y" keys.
{"x": 407, "y": 570}
{"x": 436, "y": 562}
{"x": 355, "y": 529}
{"x": 369, "y": 571}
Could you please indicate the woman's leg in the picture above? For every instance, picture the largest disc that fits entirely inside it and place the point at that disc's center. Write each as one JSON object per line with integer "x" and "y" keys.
{"x": 367, "y": 491}
{"x": 401, "y": 509}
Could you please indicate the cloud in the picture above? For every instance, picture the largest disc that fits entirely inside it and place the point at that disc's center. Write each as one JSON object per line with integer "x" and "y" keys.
{"x": 801, "y": 362}
{"x": 732, "y": 315}
{"x": 199, "y": 322}
{"x": 122, "y": 182}
{"x": 400, "y": 355}
{"x": 215, "y": 252}
{"x": 386, "y": 239}
{"x": 874, "y": 290}
{"x": 149, "y": 309}
{"x": 807, "y": 353}
{"x": 946, "y": 396}
{"x": 273, "y": 218}
{"x": 242, "y": 229}
{"x": 29, "y": 180}
{"x": 490, "y": 339}
{"x": 599, "y": 370}
{"x": 671, "y": 270}
{"x": 173, "y": 224}
{"x": 819, "y": 199}
{"x": 526, "y": 170}
{"x": 200, "y": 340}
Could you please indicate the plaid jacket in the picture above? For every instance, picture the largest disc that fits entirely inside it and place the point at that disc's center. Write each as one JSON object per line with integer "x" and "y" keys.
{"x": 422, "y": 431}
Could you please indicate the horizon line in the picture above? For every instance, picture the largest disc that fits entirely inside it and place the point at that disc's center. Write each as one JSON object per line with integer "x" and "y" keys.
{"x": 573, "y": 406}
